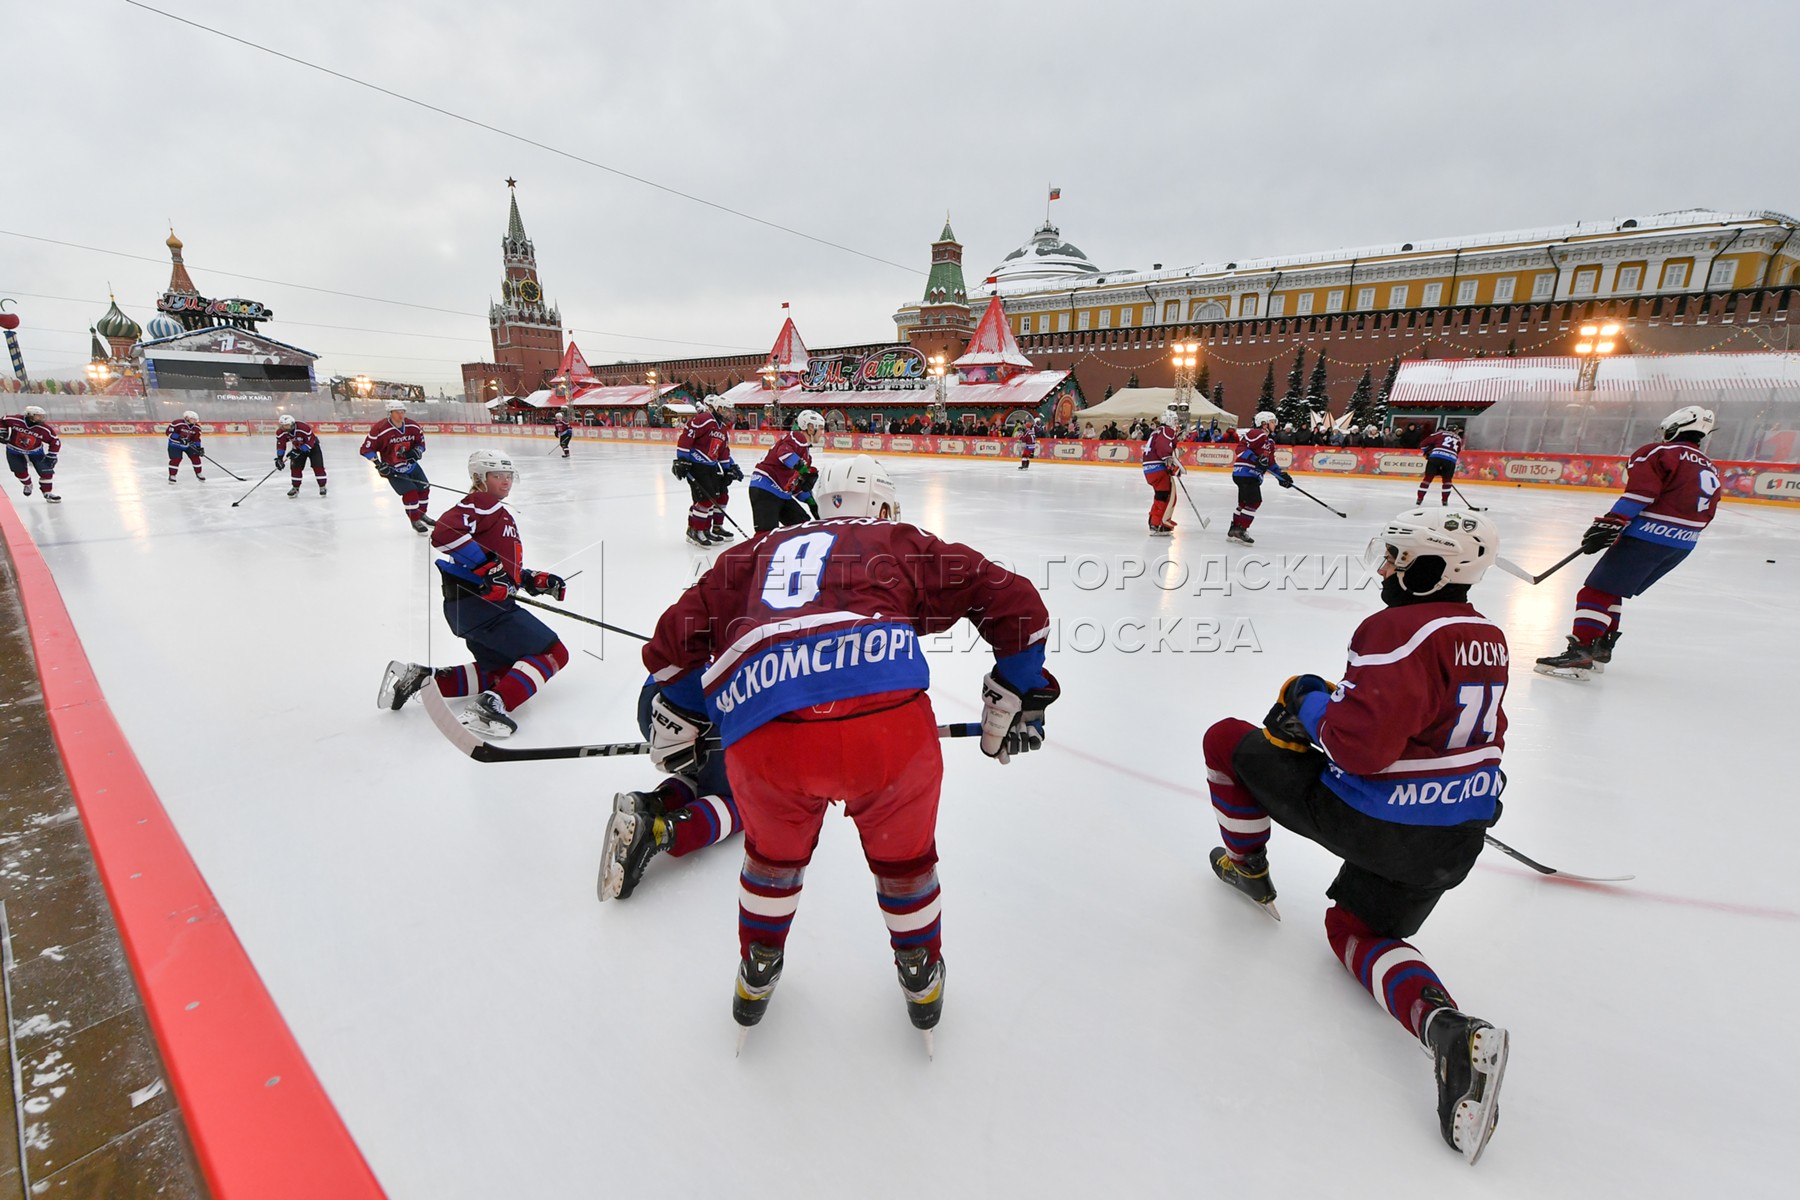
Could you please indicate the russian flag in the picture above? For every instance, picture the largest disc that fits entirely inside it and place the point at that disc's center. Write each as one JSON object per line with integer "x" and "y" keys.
{"x": 1056, "y": 193}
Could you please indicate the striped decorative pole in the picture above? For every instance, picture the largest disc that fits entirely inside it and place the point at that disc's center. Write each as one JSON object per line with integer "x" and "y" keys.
{"x": 10, "y": 322}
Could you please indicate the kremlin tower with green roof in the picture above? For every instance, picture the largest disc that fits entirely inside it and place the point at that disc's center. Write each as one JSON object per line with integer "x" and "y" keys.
{"x": 944, "y": 319}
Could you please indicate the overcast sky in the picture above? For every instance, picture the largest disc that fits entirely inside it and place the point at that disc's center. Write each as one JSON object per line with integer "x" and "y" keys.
{"x": 1178, "y": 132}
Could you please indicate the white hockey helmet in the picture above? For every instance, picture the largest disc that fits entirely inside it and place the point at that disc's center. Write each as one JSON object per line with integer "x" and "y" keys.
{"x": 1692, "y": 419}
{"x": 810, "y": 419}
{"x": 32, "y": 410}
{"x": 190, "y": 415}
{"x": 1265, "y": 417}
{"x": 857, "y": 487}
{"x": 720, "y": 404}
{"x": 285, "y": 419}
{"x": 1171, "y": 416}
{"x": 483, "y": 463}
{"x": 1465, "y": 541}
{"x": 396, "y": 406}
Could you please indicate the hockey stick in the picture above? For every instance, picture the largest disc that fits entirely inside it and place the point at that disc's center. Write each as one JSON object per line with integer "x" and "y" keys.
{"x": 1469, "y": 504}
{"x": 563, "y": 612}
{"x": 1190, "y": 499}
{"x": 258, "y": 484}
{"x": 215, "y": 462}
{"x": 482, "y": 751}
{"x": 1315, "y": 499}
{"x": 1541, "y": 869}
{"x": 1514, "y": 569}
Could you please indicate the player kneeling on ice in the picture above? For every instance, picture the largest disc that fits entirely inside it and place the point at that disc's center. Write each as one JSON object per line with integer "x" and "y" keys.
{"x": 803, "y": 647}
{"x": 686, "y": 812}
{"x": 515, "y": 653}
{"x": 1671, "y": 495}
{"x": 1396, "y": 771}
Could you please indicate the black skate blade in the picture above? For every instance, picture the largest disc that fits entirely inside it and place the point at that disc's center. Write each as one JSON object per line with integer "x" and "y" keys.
{"x": 1477, "y": 1117}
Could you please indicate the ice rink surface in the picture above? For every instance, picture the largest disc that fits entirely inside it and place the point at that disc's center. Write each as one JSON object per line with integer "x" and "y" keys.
{"x": 1117, "y": 1022}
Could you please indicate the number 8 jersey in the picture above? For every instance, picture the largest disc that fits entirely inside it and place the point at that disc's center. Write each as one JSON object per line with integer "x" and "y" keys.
{"x": 1671, "y": 494}
{"x": 827, "y": 611}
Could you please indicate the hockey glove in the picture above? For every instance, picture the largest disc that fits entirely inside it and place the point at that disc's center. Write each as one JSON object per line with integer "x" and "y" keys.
{"x": 383, "y": 470}
{"x": 680, "y": 468}
{"x": 733, "y": 471}
{"x": 1284, "y": 479}
{"x": 280, "y": 461}
{"x": 496, "y": 580}
{"x": 1011, "y": 722}
{"x": 543, "y": 583}
{"x": 675, "y": 735}
{"x": 1603, "y": 532}
{"x": 1283, "y": 726}
{"x": 1299, "y": 687}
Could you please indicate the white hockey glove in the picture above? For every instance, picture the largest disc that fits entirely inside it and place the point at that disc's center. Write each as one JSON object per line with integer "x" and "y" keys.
{"x": 675, "y": 735}
{"x": 1012, "y": 723}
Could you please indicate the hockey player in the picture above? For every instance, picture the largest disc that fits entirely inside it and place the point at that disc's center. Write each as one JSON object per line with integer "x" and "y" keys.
{"x": 32, "y": 444}
{"x": 1254, "y": 456}
{"x": 1162, "y": 464}
{"x": 395, "y": 446}
{"x": 515, "y": 653}
{"x": 1671, "y": 494}
{"x": 703, "y": 458}
{"x": 1027, "y": 445}
{"x": 775, "y": 484}
{"x": 1396, "y": 771}
{"x": 184, "y": 438}
{"x": 1441, "y": 450}
{"x": 564, "y": 431}
{"x": 683, "y": 814}
{"x": 297, "y": 444}
{"x": 803, "y": 646}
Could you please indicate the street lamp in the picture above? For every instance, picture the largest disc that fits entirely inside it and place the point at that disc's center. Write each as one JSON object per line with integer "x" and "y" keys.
{"x": 1186, "y": 357}
{"x": 99, "y": 374}
{"x": 1597, "y": 341}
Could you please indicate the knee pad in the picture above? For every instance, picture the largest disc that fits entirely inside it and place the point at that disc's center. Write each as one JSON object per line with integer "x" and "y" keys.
{"x": 1222, "y": 740}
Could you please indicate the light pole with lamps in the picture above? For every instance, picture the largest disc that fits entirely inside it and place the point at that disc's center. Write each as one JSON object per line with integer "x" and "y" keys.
{"x": 939, "y": 367}
{"x": 652, "y": 406}
{"x": 1597, "y": 341}
{"x": 1185, "y": 357}
{"x": 771, "y": 380}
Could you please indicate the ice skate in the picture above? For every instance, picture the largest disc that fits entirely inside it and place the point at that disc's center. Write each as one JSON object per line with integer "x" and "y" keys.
{"x": 922, "y": 980}
{"x": 636, "y": 832}
{"x": 756, "y": 979}
{"x": 172, "y": 479}
{"x": 293, "y": 491}
{"x": 321, "y": 489}
{"x": 1574, "y": 663}
{"x": 28, "y": 487}
{"x": 1237, "y": 533}
{"x": 52, "y": 497}
{"x": 697, "y": 538}
{"x": 1161, "y": 530}
{"x": 1601, "y": 650}
{"x": 400, "y": 683}
{"x": 487, "y": 718}
{"x": 1251, "y": 877}
{"x": 721, "y": 535}
{"x": 421, "y": 525}
{"x": 1469, "y": 1057}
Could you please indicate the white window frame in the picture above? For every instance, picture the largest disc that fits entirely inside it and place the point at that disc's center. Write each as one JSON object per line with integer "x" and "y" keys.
{"x": 1248, "y": 304}
{"x": 1062, "y": 322}
{"x": 1723, "y": 273}
{"x": 1171, "y": 312}
{"x": 1125, "y": 315}
{"x": 1434, "y": 295}
{"x": 1585, "y": 281}
{"x": 1106, "y": 318}
{"x": 1043, "y": 323}
{"x": 1397, "y": 296}
{"x": 1543, "y": 287}
{"x": 1278, "y": 306}
{"x": 1466, "y": 290}
{"x": 1628, "y": 279}
{"x": 1365, "y": 299}
{"x": 1081, "y": 318}
{"x": 1334, "y": 300}
{"x": 1504, "y": 288}
{"x": 1304, "y": 307}
{"x": 1675, "y": 275}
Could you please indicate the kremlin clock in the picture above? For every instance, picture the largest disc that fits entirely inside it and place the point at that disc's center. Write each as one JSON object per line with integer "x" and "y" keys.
{"x": 530, "y": 292}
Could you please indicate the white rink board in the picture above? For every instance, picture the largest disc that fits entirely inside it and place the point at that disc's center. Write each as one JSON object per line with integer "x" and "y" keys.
{"x": 1117, "y": 1023}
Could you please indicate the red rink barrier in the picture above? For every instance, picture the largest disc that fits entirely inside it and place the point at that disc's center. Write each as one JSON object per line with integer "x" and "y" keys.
{"x": 262, "y": 1126}
{"x": 1779, "y": 482}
